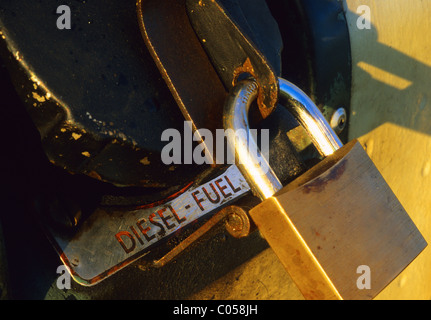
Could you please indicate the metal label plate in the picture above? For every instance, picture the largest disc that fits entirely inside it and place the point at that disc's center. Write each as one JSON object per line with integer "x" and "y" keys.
{"x": 110, "y": 240}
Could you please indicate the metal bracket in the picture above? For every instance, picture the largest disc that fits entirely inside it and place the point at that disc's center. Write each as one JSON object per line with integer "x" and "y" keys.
{"x": 235, "y": 220}
{"x": 190, "y": 69}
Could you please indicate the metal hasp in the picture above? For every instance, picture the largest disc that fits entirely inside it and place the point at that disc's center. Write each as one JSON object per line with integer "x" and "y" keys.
{"x": 182, "y": 61}
{"x": 200, "y": 52}
{"x": 231, "y": 52}
{"x": 334, "y": 221}
{"x": 233, "y": 218}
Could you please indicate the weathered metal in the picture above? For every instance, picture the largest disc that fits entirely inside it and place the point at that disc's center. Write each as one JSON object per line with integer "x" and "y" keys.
{"x": 132, "y": 233}
{"x": 231, "y": 52}
{"x": 94, "y": 93}
{"x": 200, "y": 52}
{"x": 235, "y": 219}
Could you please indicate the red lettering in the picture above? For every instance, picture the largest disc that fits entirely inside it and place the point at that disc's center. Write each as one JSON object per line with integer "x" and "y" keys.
{"x": 221, "y": 188}
{"x": 119, "y": 236}
{"x": 136, "y": 235}
{"x": 198, "y": 201}
{"x": 162, "y": 231}
{"x": 235, "y": 190}
{"x": 144, "y": 231}
{"x": 165, "y": 219}
{"x": 217, "y": 199}
{"x": 176, "y": 215}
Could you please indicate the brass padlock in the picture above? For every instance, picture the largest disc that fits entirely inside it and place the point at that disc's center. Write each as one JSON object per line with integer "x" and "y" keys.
{"x": 338, "y": 229}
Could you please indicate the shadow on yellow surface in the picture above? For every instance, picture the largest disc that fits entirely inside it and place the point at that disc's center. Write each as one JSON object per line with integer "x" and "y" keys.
{"x": 391, "y": 115}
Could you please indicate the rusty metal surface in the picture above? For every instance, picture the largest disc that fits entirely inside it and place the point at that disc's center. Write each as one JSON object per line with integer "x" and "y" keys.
{"x": 231, "y": 52}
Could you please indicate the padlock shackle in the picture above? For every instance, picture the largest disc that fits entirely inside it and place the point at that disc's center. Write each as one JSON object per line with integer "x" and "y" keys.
{"x": 253, "y": 166}
{"x": 261, "y": 178}
{"x": 310, "y": 117}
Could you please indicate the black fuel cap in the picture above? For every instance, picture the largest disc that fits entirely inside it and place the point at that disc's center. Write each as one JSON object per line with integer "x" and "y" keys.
{"x": 94, "y": 92}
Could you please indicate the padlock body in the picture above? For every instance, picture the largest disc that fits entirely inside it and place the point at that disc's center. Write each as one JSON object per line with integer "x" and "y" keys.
{"x": 338, "y": 229}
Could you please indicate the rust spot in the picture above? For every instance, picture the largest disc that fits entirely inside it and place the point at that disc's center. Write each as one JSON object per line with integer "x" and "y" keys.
{"x": 94, "y": 175}
{"x": 145, "y": 161}
{"x": 319, "y": 184}
{"x": 38, "y": 97}
{"x": 267, "y": 89}
{"x": 267, "y": 97}
{"x": 246, "y": 67}
{"x": 76, "y": 136}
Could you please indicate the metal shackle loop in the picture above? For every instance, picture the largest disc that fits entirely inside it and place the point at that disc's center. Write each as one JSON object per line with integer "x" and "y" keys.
{"x": 261, "y": 178}
{"x": 310, "y": 117}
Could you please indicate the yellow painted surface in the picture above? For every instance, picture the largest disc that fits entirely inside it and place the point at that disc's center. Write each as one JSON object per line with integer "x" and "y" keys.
{"x": 391, "y": 65}
{"x": 409, "y": 175}
{"x": 391, "y": 115}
